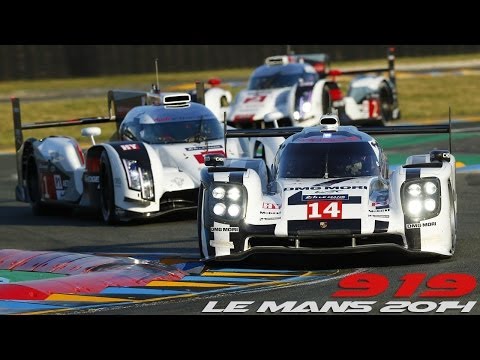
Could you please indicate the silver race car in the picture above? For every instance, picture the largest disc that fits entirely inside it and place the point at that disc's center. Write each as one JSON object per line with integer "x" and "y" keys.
{"x": 151, "y": 166}
{"x": 328, "y": 191}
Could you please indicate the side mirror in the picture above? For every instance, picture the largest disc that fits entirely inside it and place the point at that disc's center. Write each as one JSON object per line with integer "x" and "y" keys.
{"x": 91, "y": 132}
{"x": 214, "y": 160}
{"x": 273, "y": 117}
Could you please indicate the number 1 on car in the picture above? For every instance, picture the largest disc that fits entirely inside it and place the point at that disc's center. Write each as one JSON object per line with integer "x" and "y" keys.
{"x": 324, "y": 210}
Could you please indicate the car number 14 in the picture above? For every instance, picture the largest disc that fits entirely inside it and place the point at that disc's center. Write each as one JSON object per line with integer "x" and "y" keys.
{"x": 324, "y": 210}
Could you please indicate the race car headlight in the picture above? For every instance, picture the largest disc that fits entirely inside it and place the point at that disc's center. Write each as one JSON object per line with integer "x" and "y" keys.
{"x": 429, "y": 204}
{"x": 421, "y": 198}
{"x": 430, "y": 188}
{"x": 414, "y": 190}
{"x": 234, "y": 194}
{"x": 218, "y": 192}
{"x": 133, "y": 174}
{"x": 219, "y": 209}
{"x": 234, "y": 210}
{"x": 414, "y": 207}
{"x": 139, "y": 179}
{"x": 228, "y": 201}
{"x": 147, "y": 185}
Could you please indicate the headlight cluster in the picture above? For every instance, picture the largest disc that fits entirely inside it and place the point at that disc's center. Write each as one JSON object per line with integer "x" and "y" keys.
{"x": 421, "y": 198}
{"x": 228, "y": 201}
{"x": 139, "y": 179}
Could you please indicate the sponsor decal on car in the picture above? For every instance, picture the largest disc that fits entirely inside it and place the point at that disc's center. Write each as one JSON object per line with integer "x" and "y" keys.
{"x": 199, "y": 148}
{"x": 224, "y": 229}
{"x": 354, "y": 187}
{"x": 420, "y": 225}
{"x": 128, "y": 147}
{"x": 271, "y": 206}
{"x": 379, "y": 216}
{"x": 270, "y": 218}
{"x": 95, "y": 179}
{"x": 201, "y": 159}
{"x": 269, "y": 212}
{"x": 254, "y": 98}
{"x": 333, "y": 139}
{"x": 162, "y": 119}
{"x": 325, "y": 197}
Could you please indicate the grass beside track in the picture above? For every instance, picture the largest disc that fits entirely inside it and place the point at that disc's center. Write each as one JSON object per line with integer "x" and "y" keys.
{"x": 421, "y": 97}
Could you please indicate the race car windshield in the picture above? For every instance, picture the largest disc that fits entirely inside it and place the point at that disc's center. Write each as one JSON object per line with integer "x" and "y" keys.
{"x": 280, "y": 80}
{"x": 328, "y": 160}
{"x": 360, "y": 93}
{"x": 181, "y": 131}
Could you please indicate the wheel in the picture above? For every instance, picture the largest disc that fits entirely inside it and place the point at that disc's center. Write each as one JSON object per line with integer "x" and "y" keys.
{"x": 386, "y": 103}
{"x": 34, "y": 189}
{"x": 107, "y": 191}
{"x": 326, "y": 101}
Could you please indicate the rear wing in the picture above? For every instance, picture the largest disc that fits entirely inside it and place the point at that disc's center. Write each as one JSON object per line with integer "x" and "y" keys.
{"x": 380, "y": 130}
{"x": 120, "y": 102}
{"x": 18, "y": 127}
{"x": 390, "y": 68}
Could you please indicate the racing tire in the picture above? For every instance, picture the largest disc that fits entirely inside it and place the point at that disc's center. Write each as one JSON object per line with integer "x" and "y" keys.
{"x": 326, "y": 101}
{"x": 107, "y": 191}
{"x": 386, "y": 103}
{"x": 34, "y": 190}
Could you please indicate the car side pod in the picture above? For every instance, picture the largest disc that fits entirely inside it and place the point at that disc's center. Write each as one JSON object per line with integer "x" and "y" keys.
{"x": 214, "y": 160}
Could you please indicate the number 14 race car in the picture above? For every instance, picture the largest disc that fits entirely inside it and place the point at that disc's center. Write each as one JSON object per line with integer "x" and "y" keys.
{"x": 328, "y": 191}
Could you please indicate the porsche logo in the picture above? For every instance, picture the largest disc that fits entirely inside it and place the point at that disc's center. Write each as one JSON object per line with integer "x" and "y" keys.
{"x": 323, "y": 224}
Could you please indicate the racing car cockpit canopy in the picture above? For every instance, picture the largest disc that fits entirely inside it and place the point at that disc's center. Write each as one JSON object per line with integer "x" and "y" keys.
{"x": 279, "y": 76}
{"x": 167, "y": 125}
{"x": 328, "y": 160}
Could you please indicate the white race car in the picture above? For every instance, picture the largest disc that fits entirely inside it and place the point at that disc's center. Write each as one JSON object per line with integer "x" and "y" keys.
{"x": 298, "y": 90}
{"x": 328, "y": 191}
{"x": 151, "y": 167}
{"x": 372, "y": 98}
{"x": 285, "y": 91}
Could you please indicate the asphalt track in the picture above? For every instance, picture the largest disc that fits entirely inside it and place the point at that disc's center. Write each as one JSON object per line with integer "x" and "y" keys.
{"x": 299, "y": 279}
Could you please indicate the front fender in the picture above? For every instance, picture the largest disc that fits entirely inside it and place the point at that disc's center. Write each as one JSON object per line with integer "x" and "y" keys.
{"x": 126, "y": 197}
